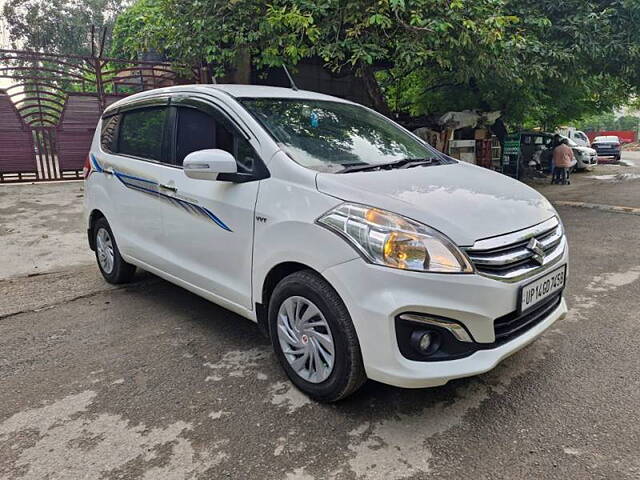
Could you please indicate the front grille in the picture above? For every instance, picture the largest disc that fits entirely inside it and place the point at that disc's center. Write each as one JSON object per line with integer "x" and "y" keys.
{"x": 507, "y": 257}
{"x": 513, "y": 324}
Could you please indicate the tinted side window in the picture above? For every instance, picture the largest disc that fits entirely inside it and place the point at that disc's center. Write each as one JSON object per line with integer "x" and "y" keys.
{"x": 198, "y": 130}
{"x": 108, "y": 132}
{"x": 141, "y": 132}
{"x": 245, "y": 156}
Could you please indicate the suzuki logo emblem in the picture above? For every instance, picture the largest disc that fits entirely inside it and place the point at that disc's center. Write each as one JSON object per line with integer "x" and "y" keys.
{"x": 535, "y": 247}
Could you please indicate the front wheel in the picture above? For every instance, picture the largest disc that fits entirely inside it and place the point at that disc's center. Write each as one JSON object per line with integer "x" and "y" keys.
{"x": 314, "y": 338}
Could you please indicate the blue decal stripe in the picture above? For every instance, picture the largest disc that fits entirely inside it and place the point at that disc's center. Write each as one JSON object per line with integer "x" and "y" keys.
{"x": 95, "y": 163}
{"x": 219, "y": 222}
{"x": 124, "y": 175}
{"x": 188, "y": 206}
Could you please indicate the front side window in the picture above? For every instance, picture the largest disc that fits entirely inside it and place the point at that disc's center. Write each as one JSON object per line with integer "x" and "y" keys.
{"x": 198, "y": 130}
{"x": 330, "y": 136}
{"x": 141, "y": 132}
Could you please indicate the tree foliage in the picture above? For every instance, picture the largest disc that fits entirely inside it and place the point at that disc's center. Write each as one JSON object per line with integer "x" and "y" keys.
{"x": 58, "y": 26}
{"x": 543, "y": 62}
{"x": 609, "y": 121}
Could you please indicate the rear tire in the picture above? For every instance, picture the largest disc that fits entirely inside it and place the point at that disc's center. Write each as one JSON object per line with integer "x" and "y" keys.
{"x": 112, "y": 267}
{"x": 322, "y": 330}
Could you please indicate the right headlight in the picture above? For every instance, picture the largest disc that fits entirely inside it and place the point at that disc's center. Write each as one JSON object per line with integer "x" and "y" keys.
{"x": 388, "y": 239}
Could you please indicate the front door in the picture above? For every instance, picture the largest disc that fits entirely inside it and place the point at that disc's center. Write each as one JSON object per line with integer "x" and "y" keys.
{"x": 209, "y": 228}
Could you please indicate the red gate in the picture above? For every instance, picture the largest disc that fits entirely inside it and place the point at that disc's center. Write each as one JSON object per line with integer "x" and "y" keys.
{"x": 50, "y": 110}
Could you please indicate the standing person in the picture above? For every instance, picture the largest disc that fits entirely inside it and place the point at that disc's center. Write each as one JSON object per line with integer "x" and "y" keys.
{"x": 554, "y": 143}
{"x": 562, "y": 158}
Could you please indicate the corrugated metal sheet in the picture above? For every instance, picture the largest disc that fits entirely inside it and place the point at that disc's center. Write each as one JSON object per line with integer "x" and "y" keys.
{"x": 17, "y": 153}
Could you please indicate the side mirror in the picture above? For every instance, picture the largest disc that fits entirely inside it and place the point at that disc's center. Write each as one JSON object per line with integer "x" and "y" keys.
{"x": 207, "y": 164}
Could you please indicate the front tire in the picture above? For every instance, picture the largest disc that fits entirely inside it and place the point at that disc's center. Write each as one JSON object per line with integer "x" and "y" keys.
{"x": 314, "y": 338}
{"x": 112, "y": 267}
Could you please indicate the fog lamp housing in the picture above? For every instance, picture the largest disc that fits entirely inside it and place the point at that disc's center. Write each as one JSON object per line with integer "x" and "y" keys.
{"x": 425, "y": 342}
{"x": 428, "y": 338}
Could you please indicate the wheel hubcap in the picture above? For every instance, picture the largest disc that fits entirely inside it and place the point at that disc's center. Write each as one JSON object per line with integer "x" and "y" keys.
{"x": 306, "y": 339}
{"x": 104, "y": 248}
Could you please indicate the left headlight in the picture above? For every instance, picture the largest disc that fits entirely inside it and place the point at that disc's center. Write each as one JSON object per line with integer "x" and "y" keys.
{"x": 388, "y": 239}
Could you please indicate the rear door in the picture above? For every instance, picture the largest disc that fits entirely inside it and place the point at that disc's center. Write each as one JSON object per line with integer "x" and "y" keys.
{"x": 209, "y": 230}
{"x": 135, "y": 166}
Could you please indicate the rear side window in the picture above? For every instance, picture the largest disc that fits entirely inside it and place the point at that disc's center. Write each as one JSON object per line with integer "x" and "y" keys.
{"x": 108, "y": 132}
{"x": 141, "y": 132}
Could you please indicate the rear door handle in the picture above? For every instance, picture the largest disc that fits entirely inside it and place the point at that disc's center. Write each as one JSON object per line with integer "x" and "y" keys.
{"x": 108, "y": 171}
{"x": 168, "y": 187}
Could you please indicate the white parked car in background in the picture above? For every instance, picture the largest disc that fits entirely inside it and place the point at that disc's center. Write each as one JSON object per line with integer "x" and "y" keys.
{"x": 586, "y": 157}
{"x": 578, "y": 136}
{"x": 364, "y": 252}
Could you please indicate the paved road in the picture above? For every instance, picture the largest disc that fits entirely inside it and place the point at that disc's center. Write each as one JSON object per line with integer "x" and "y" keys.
{"x": 150, "y": 381}
{"x": 607, "y": 184}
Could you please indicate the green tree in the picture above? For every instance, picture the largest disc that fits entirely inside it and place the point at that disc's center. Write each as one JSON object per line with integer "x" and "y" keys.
{"x": 628, "y": 122}
{"x": 59, "y": 26}
{"x": 55, "y": 27}
{"x": 467, "y": 38}
{"x": 544, "y": 62}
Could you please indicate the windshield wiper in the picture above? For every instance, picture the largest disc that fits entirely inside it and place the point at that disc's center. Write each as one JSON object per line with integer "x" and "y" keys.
{"x": 404, "y": 163}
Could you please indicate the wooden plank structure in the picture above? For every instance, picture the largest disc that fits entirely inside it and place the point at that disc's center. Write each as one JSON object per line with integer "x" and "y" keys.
{"x": 49, "y": 112}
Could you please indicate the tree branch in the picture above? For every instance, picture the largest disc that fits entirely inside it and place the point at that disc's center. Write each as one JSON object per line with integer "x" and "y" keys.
{"x": 374, "y": 91}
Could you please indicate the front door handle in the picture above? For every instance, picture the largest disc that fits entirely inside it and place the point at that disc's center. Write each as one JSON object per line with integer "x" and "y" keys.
{"x": 168, "y": 187}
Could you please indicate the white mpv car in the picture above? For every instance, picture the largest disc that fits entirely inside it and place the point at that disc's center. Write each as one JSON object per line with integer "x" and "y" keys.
{"x": 361, "y": 250}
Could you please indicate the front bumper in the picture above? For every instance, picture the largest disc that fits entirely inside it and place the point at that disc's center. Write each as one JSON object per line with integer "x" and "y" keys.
{"x": 375, "y": 295}
{"x": 587, "y": 163}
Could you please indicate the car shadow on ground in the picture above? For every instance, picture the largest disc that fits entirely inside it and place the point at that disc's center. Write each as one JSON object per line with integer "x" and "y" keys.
{"x": 222, "y": 331}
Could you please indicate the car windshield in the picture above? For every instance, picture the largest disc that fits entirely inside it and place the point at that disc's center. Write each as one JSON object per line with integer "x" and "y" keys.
{"x": 332, "y": 136}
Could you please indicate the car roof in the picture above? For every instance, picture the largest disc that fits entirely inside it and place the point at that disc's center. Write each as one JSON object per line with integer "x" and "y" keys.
{"x": 607, "y": 137}
{"x": 233, "y": 90}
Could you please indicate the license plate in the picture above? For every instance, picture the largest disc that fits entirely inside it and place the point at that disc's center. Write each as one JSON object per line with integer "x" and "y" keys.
{"x": 542, "y": 288}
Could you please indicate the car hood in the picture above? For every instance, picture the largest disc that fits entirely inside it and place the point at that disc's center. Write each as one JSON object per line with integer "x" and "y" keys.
{"x": 465, "y": 202}
{"x": 587, "y": 150}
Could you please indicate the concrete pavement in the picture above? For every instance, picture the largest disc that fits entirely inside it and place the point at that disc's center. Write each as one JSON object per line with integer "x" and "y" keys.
{"x": 41, "y": 228}
{"x": 149, "y": 381}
